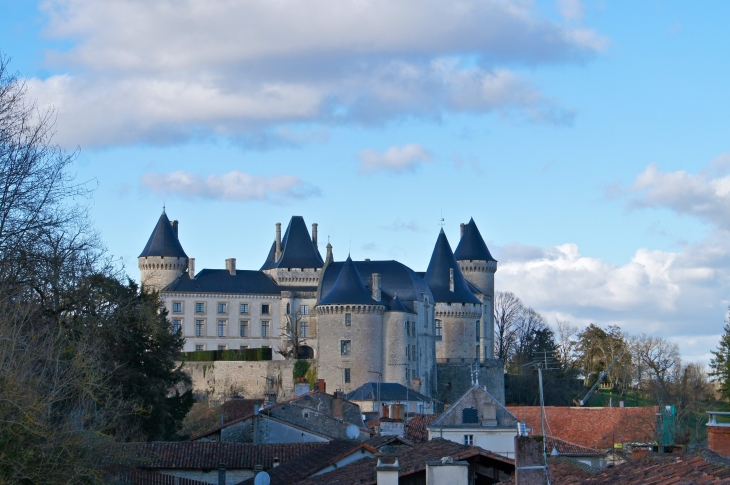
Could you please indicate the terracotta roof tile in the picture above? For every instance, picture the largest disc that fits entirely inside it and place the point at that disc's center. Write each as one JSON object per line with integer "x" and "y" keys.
{"x": 238, "y": 408}
{"x": 572, "y": 449}
{"x": 593, "y": 427}
{"x": 415, "y": 429}
{"x": 206, "y": 454}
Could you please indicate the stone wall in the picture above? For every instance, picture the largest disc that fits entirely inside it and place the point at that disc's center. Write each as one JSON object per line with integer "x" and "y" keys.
{"x": 223, "y": 379}
{"x": 455, "y": 379}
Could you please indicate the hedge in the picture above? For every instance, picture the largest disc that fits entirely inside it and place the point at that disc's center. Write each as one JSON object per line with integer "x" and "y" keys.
{"x": 213, "y": 355}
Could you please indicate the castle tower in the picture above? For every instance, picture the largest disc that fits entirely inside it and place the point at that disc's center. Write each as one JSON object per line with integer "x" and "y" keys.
{"x": 163, "y": 258}
{"x": 294, "y": 260}
{"x": 478, "y": 267}
{"x": 350, "y": 326}
{"x": 458, "y": 311}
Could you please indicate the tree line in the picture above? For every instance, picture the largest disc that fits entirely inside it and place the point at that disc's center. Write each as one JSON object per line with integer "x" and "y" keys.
{"x": 86, "y": 358}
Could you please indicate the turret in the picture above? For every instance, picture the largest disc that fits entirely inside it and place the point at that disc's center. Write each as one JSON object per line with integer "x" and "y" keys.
{"x": 163, "y": 259}
{"x": 478, "y": 267}
{"x": 294, "y": 259}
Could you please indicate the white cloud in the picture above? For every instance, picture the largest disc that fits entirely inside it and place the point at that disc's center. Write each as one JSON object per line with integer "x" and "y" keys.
{"x": 705, "y": 195}
{"x": 215, "y": 67}
{"x": 572, "y": 9}
{"x": 232, "y": 186}
{"x": 395, "y": 158}
{"x": 678, "y": 295}
{"x": 398, "y": 225}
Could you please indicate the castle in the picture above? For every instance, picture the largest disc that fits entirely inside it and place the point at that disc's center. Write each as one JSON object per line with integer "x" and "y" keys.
{"x": 362, "y": 321}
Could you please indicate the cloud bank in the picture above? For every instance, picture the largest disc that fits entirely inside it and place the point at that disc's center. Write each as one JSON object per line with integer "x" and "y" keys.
{"x": 232, "y": 186}
{"x": 219, "y": 68}
{"x": 394, "y": 159}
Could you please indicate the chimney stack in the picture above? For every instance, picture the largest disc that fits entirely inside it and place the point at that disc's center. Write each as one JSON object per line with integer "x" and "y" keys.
{"x": 276, "y": 461}
{"x": 329, "y": 258}
{"x": 387, "y": 473}
{"x": 529, "y": 462}
{"x": 462, "y": 229}
{"x": 451, "y": 279}
{"x": 314, "y": 234}
{"x": 174, "y": 227}
{"x": 231, "y": 266}
{"x": 278, "y": 241}
{"x": 338, "y": 410}
{"x": 320, "y": 385}
{"x": 718, "y": 434}
{"x": 191, "y": 267}
{"x": 221, "y": 473}
{"x": 448, "y": 471}
{"x": 376, "y": 286}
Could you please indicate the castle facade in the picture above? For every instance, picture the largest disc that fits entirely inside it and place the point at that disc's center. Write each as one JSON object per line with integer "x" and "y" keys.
{"x": 363, "y": 321}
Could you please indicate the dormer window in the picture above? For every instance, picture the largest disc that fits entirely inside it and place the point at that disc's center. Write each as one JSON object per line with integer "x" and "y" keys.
{"x": 469, "y": 416}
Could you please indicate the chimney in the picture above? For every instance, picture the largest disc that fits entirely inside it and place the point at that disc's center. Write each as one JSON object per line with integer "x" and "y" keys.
{"x": 231, "y": 266}
{"x": 446, "y": 471}
{"x": 384, "y": 411}
{"x": 329, "y": 257}
{"x": 191, "y": 267}
{"x": 221, "y": 473}
{"x": 270, "y": 398}
{"x": 462, "y": 229}
{"x": 278, "y": 241}
{"x": 320, "y": 385}
{"x": 718, "y": 434}
{"x": 314, "y": 234}
{"x": 529, "y": 462}
{"x": 338, "y": 410}
{"x": 255, "y": 409}
{"x": 376, "y": 286}
{"x": 174, "y": 227}
{"x": 276, "y": 461}
{"x": 451, "y": 279}
{"x": 387, "y": 473}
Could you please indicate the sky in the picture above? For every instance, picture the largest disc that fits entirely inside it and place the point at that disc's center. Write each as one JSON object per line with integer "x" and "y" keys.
{"x": 589, "y": 140}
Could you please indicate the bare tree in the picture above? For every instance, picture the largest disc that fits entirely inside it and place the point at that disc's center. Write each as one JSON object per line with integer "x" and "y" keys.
{"x": 566, "y": 343}
{"x": 294, "y": 336}
{"x": 660, "y": 358}
{"x": 508, "y": 310}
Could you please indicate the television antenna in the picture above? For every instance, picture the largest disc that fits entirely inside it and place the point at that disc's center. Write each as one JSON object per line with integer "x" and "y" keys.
{"x": 544, "y": 360}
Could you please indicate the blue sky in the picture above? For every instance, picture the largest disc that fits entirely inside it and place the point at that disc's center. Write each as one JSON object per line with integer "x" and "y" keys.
{"x": 589, "y": 140}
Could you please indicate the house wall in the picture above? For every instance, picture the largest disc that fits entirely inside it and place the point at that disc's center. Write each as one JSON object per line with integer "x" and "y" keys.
{"x": 223, "y": 379}
{"x": 272, "y": 432}
{"x": 459, "y": 330}
{"x": 496, "y": 440}
{"x": 232, "y": 476}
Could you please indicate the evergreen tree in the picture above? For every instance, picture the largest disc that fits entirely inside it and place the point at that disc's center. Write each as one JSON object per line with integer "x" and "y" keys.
{"x": 720, "y": 365}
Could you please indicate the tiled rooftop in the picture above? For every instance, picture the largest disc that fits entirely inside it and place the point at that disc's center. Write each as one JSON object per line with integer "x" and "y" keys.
{"x": 238, "y": 408}
{"x": 571, "y": 449}
{"x": 201, "y": 454}
{"x": 415, "y": 429}
{"x": 412, "y": 460}
{"x": 592, "y": 427}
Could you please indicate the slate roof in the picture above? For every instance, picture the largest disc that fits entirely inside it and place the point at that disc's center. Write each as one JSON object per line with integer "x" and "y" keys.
{"x": 412, "y": 460}
{"x": 388, "y": 440}
{"x": 222, "y": 281}
{"x": 396, "y": 305}
{"x": 653, "y": 469}
{"x": 416, "y": 428}
{"x": 196, "y": 455}
{"x": 395, "y": 279}
{"x": 310, "y": 463}
{"x": 348, "y": 288}
{"x": 163, "y": 241}
{"x": 385, "y": 391}
{"x": 437, "y": 275}
{"x": 472, "y": 246}
{"x": 593, "y": 427}
{"x": 297, "y": 248}
{"x": 476, "y": 397}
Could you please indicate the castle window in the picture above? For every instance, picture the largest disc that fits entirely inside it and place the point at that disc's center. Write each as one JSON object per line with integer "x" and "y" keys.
{"x": 176, "y": 307}
{"x": 477, "y": 352}
{"x": 221, "y": 328}
{"x": 244, "y": 308}
{"x": 439, "y": 328}
{"x": 408, "y": 329}
{"x": 304, "y": 309}
{"x": 347, "y": 375}
{"x": 345, "y": 347}
{"x": 408, "y": 352}
{"x": 222, "y": 347}
{"x": 200, "y": 308}
{"x": 264, "y": 329}
{"x": 478, "y": 331}
{"x": 199, "y": 328}
{"x": 413, "y": 352}
{"x": 243, "y": 347}
{"x": 413, "y": 329}
{"x": 199, "y": 347}
{"x": 176, "y": 325}
{"x": 244, "y": 328}
{"x": 348, "y": 319}
{"x": 288, "y": 309}
{"x": 304, "y": 329}
{"x": 469, "y": 439}
{"x": 222, "y": 307}
{"x": 265, "y": 309}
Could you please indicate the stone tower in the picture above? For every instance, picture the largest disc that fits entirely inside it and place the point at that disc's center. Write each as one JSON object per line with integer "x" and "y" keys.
{"x": 458, "y": 311}
{"x": 478, "y": 267}
{"x": 350, "y": 326}
{"x": 163, "y": 258}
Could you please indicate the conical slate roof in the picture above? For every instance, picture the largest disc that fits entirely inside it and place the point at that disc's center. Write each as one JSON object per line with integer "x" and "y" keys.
{"x": 348, "y": 288}
{"x": 271, "y": 258}
{"x": 472, "y": 246}
{"x": 163, "y": 241}
{"x": 396, "y": 305}
{"x": 297, "y": 248}
{"x": 437, "y": 275}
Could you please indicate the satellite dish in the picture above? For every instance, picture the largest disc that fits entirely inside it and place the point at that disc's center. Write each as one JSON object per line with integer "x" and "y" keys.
{"x": 353, "y": 432}
{"x": 262, "y": 478}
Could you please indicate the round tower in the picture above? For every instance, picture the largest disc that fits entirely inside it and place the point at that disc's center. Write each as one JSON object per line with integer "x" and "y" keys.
{"x": 163, "y": 258}
{"x": 350, "y": 332}
{"x": 478, "y": 267}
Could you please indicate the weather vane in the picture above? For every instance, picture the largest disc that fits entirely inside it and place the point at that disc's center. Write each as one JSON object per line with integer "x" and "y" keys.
{"x": 442, "y": 222}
